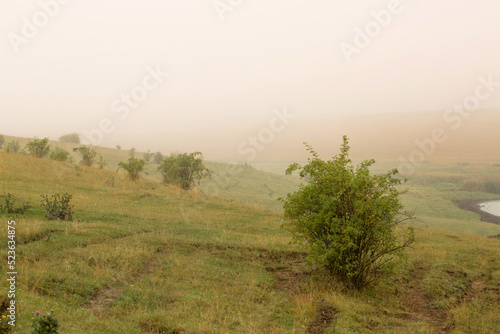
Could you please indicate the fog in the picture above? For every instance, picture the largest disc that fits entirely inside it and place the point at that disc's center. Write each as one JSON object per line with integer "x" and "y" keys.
{"x": 210, "y": 75}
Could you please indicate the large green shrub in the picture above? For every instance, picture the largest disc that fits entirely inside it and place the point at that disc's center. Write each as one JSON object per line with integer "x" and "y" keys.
{"x": 349, "y": 219}
{"x": 183, "y": 169}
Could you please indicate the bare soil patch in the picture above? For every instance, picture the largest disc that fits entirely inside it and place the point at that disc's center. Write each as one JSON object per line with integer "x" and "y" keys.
{"x": 325, "y": 317}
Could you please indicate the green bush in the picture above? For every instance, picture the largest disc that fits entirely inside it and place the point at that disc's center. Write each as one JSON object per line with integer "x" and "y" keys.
{"x": 347, "y": 218}
{"x": 57, "y": 207}
{"x": 183, "y": 169}
{"x": 131, "y": 152}
{"x": 158, "y": 158}
{"x": 147, "y": 156}
{"x": 44, "y": 324}
{"x": 88, "y": 155}
{"x": 10, "y": 206}
{"x": 38, "y": 148}
{"x": 12, "y": 146}
{"x": 60, "y": 154}
{"x": 73, "y": 138}
{"x": 134, "y": 167}
{"x": 2, "y": 140}
{"x": 101, "y": 163}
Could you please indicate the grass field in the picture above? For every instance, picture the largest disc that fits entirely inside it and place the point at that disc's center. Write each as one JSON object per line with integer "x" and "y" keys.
{"x": 146, "y": 257}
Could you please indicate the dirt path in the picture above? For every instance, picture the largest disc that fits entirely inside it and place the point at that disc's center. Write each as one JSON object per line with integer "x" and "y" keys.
{"x": 417, "y": 303}
{"x": 289, "y": 279}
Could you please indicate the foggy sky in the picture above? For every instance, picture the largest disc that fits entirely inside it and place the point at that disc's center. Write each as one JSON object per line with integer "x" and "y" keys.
{"x": 233, "y": 73}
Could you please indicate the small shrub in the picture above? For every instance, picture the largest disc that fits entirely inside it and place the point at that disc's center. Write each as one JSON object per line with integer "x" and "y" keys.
{"x": 87, "y": 154}
{"x": 10, "y": 207}
{"x": 59, "y": 154}
{"x": 78, "y": 170}
{"x": 118, "y": 147}
{"x": 183, "y": 169}
{"x": 101, "y": 163}
{"x": 158, "y": 158}
{"x": 134, "y": 167}
{"x": 73, "y": 138}
{"x": 57, "y": 207}
{"x": 2, "y": 140}
{"x": 38, "y": 148}
{"x": 147, "y": 156}
{"x": 131, "y": 152}
{"x": 12, "y": 147}
{"x": 45, "y": 324}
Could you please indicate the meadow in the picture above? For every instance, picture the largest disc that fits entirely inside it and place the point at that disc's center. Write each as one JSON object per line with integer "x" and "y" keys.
{"x": 144, "y": 257}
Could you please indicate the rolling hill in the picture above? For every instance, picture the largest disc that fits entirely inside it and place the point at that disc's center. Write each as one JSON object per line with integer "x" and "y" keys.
{"x": 146, "y": 257}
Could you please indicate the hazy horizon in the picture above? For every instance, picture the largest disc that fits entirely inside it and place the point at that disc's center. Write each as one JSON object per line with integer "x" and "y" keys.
{"x": 71, "y": 66}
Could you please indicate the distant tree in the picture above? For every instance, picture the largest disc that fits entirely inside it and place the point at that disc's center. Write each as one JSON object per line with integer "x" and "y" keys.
{"x": 101, "y": 163}
{"x": 147, "y": 156}
{"x": 349, "y": 220}
{"x": 59, "y": 154}
{"x": 131, "y": 152}
{"x": 183, "y": 169}
{"x": 12, "y": 146}
{"x": 73, "y": 138}
{"x": 118, "y": 147}
{"x": 158, "y": 158}
{"x": 88, "y": 155}
{"x": 2, "y": 140}
{"x": 38, "y": 148}
{"x": 134, "y": 167}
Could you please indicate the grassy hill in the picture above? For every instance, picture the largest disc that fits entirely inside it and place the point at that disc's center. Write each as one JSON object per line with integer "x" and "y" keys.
{"x": 435, "y": 187}
{"x": 237, "y": 182}
{"x": 145, "y": 257}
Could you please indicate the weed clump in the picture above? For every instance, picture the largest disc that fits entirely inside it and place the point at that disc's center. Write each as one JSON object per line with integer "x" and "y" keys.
{"x": 9, "y": 206}
{"x": 45, "y": 324}
{"x": 57, "y": 207}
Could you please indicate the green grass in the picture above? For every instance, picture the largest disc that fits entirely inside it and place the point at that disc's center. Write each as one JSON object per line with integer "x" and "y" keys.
{"x": 146, "y": 257}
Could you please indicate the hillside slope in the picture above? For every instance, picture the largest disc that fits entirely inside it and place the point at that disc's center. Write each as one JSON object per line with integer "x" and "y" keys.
{"x": 144, "y": 257}
{"x": 239, "y": 182}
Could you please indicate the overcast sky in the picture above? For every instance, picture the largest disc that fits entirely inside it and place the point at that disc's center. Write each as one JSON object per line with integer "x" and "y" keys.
{"x": 231, "y": 63}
